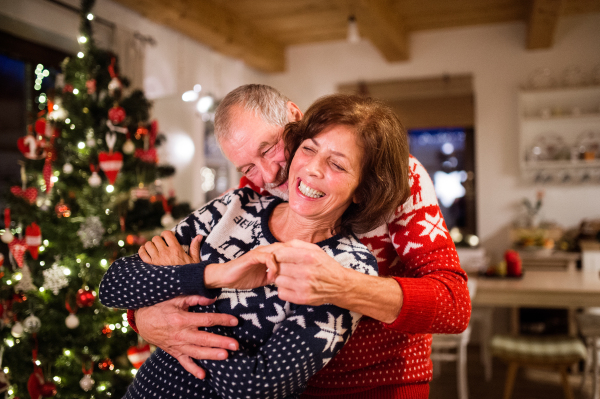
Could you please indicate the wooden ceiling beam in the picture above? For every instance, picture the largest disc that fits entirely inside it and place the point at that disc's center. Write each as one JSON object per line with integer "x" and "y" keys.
{"x": 379, "y": 22}
{"x": 542, "y": 22}
{"x": 216, "y": 27}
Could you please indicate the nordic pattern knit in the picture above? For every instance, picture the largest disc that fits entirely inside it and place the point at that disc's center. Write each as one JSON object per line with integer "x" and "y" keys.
{"x": 414, "y": 248}
{"x": 281, "y": 344}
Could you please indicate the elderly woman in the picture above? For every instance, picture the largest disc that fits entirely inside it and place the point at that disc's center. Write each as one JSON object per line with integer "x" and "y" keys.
{"x": 347, "y": 175}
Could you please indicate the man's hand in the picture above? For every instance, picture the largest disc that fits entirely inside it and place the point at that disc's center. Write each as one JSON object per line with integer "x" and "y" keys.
{"x": 172, "y": 328}
{"x": 251, "y": 270}
{"x": 307, "y": 275}
{"x": 165, "y": 250}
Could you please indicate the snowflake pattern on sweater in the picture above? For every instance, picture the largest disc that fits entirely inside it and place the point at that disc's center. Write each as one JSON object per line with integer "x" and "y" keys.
{"x": 281, "y": 344}
{"x": 414, "y": 247}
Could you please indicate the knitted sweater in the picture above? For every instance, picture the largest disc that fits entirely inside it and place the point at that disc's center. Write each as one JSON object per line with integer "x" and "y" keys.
{"x": 281, "y": 344}
{"x": 415, "y": 248}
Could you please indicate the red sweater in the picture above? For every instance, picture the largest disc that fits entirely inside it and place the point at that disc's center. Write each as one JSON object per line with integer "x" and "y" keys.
{"x": 392, "y": 360}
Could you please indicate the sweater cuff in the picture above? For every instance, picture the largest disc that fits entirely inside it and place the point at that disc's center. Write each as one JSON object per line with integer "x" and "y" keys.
{"x": 192, "y": 280}
{"x": 418, "y": 306}
{"x": 131, "y": 320}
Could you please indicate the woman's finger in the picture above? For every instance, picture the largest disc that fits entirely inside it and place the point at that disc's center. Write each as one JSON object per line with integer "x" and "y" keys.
{"x": 160, "y": 244}
{"x": 170, "y": 238}
{"x": 151, "y": 249}
{"x": 195, "y": 248}
{"x": 144, "y": 255}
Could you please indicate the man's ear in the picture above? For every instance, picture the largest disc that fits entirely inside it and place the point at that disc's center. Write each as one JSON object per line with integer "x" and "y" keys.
{"x": 294, "y": 113}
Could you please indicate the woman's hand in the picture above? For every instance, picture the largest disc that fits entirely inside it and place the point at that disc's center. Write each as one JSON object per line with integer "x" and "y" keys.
{"x": 165, "y": 250}
{"x": 253, "y": 269}
{"x": 307, "y": 275}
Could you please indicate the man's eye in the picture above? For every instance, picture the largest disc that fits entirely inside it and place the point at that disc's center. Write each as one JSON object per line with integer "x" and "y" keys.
{"x": 267, "y": 151}
{"x": 248, "y": 170}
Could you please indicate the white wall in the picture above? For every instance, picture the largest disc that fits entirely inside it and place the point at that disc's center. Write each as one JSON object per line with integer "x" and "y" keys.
{"x": 495, "y": 55}
{"x": 171, "y": 67}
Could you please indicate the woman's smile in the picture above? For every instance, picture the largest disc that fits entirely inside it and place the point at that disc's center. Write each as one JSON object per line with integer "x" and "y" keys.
{"x": 308, "y": 191}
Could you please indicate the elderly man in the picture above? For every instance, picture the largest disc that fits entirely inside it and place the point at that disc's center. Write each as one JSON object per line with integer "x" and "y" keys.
{"x": 421, "y": 288}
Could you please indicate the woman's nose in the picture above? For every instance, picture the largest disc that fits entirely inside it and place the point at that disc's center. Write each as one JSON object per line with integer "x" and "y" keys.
{"x": 315, "y": 167}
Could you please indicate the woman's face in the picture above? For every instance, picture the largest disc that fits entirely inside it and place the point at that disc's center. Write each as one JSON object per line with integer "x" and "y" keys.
{"x": 325, "y": 173}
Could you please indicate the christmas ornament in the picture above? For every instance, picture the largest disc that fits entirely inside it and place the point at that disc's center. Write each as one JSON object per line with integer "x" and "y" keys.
{"x": 17, "y": 330}
{"x": 35, "y": 383}
{"x": 32, "y": 324}
{"x": 49, "y": 389}
{"x": 107, "y": 331}
{"x": 128, "y": 146}
{"x": 94, "y": 180}
{"x": 167, "y": 220}
{"x": 116, "y": 114}
{"x": 26, "y": 283}
{"x": 17, "y": 248}
{"x": 90, "y": 232}
{"x": 72, "y": 321}
{"x": 91, "y": 86}
{"x": 55, "y": 279}
{"x": 111, "y": 164}
{"x": 1, "y": 263}
{"x": 138, "y": 354}
{"x": 118, "y": 129}
{"x": 62, "y": 210}
{"x": 33, "y": 239}
{"x": 31, "y": 147}
{"x": 47, "y": 172}
{"x": 106, "y": 364}
{"x": 149, "y": 156}
{"x": 153, "y": 133}
{"x": 67, "y": 168}
{"x": 68, "y": 88}
{"x": 114, "y": 87}
{"x": 85, "y": 298}
{"x": 40, "y": 127}
{"x": 91, "y": 140}
{"x": 87, "y": 383}
{"x": 30, "y": 194}
{"x": 141, "y": 132}
{"x": 7, "y": 236}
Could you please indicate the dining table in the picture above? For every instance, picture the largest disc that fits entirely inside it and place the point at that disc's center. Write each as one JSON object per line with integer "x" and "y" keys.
{"x": 565, "y": 289}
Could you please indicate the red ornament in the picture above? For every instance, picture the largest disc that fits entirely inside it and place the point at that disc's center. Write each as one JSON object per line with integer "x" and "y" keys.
{"x": 32, "y": 147}
{"x": 18, "y": 247}
{"x": 153, "y": 132}
{"x": 47, "y": 173}
{"x": 48, "y": 389}
{"x": 106, "y": 364}
{"x": 1, "y": 263}
{"x": 513, "y": 263}
{"x": 85, "y": 298}
{"x": 149, "y": 156}
{"x": 40, "y": 126}
{"x": 35, "y": 383}
{"x": 138, "y": 354}
{"x": 91, "y": 86}
{"x": 68, "y": 88}
{"x": 62, "y": 209}
{"x": 111, "y": 164}
{"x": 19, "y": 297}
{"x": 29, "y": 194}
{"x": 107, "y": 331}
{"x": 33, "y": 239}
{"x": 116, "y": 115}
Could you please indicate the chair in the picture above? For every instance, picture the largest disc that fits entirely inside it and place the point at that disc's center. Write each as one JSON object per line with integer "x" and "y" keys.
{"x": 443, "y": 344}
{"x": 556, "y": 353}
{"x": 589, "y": 327}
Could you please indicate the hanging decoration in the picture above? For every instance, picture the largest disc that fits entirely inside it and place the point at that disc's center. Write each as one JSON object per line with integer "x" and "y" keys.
{"x": 91, "y": 231}
{"x": 35, "y": 383}
{"x": 111, "y": 162}
{"x": 55, "y": 278}
{"x": 128, "y": 146}
{"x": 137, "y": 355}
{"x": 62, "y": 210}
{"x": 167, "y": 219}
{"x": 85, "y": 298}
{"x": 32, "y": 324}
{"x": 141, "y": 132}
{"x": 33, "y": 239}
{"x": 106, "y": 364}
{"x": 26, "y": 283}
{"x": 30, "y": 194}
{"x": 7, "y": 236}
{"x": 148, "y": 156}
{"x": 72, "y": 321}
{"x": 17, "y": 330}
{"x": 67, "y": 168}
{"x": 32, "y": 147}
{"x": 17, "y": 248}
{"x": 87, "y": 383}
{"x": 114, "y": 86}
{"x": 116, "y": 114}
{"x": 90, "y": 85}
{"x": 95, "y": 180}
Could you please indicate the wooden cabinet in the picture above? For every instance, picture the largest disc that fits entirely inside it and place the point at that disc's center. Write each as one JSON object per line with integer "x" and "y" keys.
{"x": 559, "y": 141}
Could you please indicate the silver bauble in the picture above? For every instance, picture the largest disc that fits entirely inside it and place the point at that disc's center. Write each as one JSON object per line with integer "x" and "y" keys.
{"x": 67, "y": 168}
{"x": 17, "y": 330}
{"x": 86, "y": 383}
{"x": 95, "y": 180}
{"x": 32, "y": 324}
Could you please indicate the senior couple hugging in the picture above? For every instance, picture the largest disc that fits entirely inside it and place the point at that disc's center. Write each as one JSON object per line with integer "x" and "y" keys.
{"x": 323, "y": 275}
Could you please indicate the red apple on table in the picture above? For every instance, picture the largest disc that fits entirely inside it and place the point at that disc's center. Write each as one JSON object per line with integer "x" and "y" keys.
{"x": 513, "y": 263}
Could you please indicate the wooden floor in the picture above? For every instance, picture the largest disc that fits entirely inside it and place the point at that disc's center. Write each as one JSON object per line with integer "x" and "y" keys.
{"x": 530, "y": 384}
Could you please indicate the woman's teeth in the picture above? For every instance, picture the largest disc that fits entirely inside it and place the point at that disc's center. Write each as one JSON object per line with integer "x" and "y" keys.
{"x": 309, "y": 192}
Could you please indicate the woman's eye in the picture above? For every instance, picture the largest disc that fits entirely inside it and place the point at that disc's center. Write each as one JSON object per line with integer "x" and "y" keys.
{"x": 308, "y": 149}
{"x": 338, "y": 167}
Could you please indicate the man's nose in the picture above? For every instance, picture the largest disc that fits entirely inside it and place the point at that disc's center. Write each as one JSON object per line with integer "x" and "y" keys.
{"x": 270, "y": 171}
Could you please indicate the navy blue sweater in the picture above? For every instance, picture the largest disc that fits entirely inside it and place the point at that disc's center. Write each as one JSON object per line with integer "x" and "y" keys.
{"x": 281, "y": 344}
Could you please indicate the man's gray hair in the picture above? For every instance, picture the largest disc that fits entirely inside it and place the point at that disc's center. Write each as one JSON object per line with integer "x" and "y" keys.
{"x": 262, "y": 100}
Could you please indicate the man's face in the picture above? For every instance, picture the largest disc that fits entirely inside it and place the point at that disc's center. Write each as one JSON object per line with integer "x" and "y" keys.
{"x": 256, "y": 149}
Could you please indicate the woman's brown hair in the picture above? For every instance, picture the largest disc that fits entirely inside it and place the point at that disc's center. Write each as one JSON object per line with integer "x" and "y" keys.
{"x": 383, "y": 184}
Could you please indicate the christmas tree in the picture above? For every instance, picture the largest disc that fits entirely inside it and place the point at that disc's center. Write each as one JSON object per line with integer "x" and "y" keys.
{"x": 90, "y": 192}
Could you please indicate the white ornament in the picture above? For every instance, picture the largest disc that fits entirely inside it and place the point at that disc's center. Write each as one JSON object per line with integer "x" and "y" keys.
{"x": 167, "y": 220}
{"x": 86, "y": 383}
{"x": 32, "y": 324}
{"x": 90, "y": 142}
{"x": 91, "y": 231}
{"x": 55, "y": 279}
{"x": 17, "y": 330}
{"x": 128, "y": 147}
{"x": 67, "y": 168}
{"x": 95, "y": 180}
{"x": 7, "y": 237}
{"x": 72, "y": 321}
{"x": 26, "y": 284}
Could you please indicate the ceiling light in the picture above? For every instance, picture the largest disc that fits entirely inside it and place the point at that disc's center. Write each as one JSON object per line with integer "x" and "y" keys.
{"x": 190, "y": 95}
{"x": 204, "y": 104}
{"x": 352, "y": 36}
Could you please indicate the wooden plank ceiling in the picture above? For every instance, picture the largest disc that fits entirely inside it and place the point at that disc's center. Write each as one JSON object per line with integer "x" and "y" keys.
{"x": 257, "y": 31}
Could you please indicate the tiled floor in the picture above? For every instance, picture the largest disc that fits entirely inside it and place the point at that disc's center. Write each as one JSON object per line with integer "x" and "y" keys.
{"x": 530, "y": 384}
